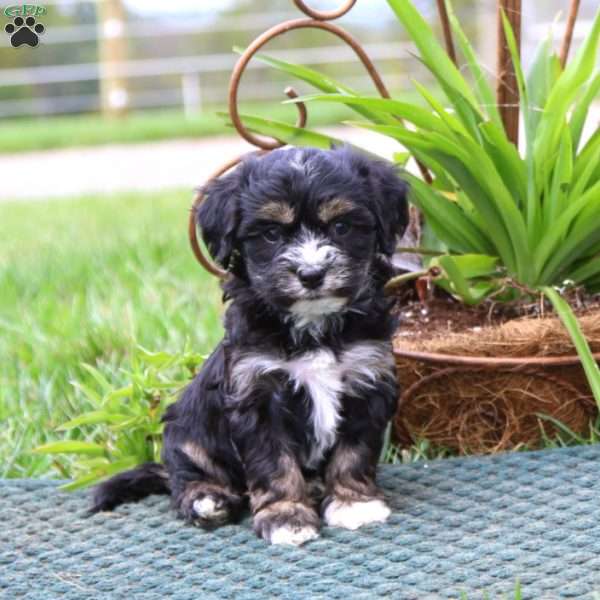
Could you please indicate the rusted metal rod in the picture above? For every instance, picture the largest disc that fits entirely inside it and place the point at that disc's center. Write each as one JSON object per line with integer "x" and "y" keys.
{"x": 266, "y": 37}
{"x": 325, "y": 15}
{"x": 566, "y": 44}
{"x": 447, "y": 30}
{"x": 507, "y": 91}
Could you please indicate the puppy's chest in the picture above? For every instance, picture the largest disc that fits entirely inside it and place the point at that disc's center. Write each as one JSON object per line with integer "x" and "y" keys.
{"x": 324, "y": 378}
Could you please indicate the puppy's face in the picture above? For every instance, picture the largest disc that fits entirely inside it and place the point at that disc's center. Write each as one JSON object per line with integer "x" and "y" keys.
{"x": 308, "y": 253}
{"x": 307, "y": 225}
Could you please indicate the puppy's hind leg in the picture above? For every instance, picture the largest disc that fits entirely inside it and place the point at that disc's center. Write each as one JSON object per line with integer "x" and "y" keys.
{"x": 204, "y": 491}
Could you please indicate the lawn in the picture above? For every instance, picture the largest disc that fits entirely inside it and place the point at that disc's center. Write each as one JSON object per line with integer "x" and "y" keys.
{"x": 27, "y": 134}
{"x": 84, "y": 281}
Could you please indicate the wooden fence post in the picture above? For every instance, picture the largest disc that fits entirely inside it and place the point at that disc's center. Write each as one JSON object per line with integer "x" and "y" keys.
{"x": 112, "y": 53}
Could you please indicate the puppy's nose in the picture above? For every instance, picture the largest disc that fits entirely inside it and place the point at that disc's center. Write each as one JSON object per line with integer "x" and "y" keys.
{"x": 311, "y": 278}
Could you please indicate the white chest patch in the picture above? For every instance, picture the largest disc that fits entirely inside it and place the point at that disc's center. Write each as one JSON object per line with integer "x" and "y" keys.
{"x": 325, "y": 378}
{"x": 307, "y": 312}
{"x": 320, "y": 374}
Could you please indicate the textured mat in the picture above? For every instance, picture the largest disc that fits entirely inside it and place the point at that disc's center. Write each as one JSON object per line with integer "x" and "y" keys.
{"x": 462, "y": 526}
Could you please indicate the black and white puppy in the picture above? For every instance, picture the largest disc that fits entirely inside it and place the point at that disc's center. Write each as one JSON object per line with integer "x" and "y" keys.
{"x": 289, "y": 411}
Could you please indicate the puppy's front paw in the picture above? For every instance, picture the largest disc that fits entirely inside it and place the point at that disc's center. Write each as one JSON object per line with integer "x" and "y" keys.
{"x": 287, "y": 523}
{"x": 352, "y": 515}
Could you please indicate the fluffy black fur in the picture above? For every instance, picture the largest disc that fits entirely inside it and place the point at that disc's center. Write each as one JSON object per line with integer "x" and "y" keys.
{"x": 250, "y": 426}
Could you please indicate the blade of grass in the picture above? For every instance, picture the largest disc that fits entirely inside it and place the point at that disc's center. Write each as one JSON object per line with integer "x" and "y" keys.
{"x": 583, "y": 235}
{"x": 589, "y": 269}
{"x": 430, "y": 49}
{"x": 568, "y": 85}
{"x": 561, "y": 179}
{"x": 456, "y": 278}
{"x": 446, "y": 219}
{"x": 552, "y": 240}
{"x": 506, "y": 159}
{"x": 459, "y": 269}
{"x": 452, "y": 123}
{"x": 100, "y": 474}
{"x": 93, "y": 418}
{"x": 584, "y": 174}
{"x": 585, "y": 157}
{"x": 542, "y": 76}
{"x": 318, "y": 80}
{"x": 580, "y": 112}
{"x": 288, "y": 134}
{"x": 417, "y": 115}
{"x": 484, "y": 90}
{"x": 583, "y": 349}
{"x": 71, "y": 447}
{"x": 532, "y": 204}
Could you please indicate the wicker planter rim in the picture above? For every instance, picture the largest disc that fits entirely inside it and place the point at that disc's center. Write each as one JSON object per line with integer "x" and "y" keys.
{"x": 492, "y": 361}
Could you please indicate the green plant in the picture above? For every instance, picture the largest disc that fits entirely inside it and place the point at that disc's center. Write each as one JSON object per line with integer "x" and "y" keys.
{"x": 509, "y": 224}
{"x": 88, "y": 288}
{"x": 125, "y": 423}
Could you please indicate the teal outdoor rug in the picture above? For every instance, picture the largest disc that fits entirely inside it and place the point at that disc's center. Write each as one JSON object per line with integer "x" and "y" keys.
{"x": 460, "y": 528}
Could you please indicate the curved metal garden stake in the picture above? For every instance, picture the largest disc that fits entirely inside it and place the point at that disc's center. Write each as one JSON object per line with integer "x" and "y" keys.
{"x": 317, "y": 20}
{"x": 447, "y": 30}
{"x": 507, "y": 90}
{"x": 271, "y": 34}
{"x": 566, "y": 44}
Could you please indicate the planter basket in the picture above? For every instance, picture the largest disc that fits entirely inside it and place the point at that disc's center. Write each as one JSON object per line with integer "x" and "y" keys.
{"x": 492, "y": 388}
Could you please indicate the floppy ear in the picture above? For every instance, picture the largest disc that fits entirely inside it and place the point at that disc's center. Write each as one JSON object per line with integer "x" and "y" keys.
{"x": 390, "y": 194}
{"x": 387, "y": 197}
{"x": 218, "y": 215}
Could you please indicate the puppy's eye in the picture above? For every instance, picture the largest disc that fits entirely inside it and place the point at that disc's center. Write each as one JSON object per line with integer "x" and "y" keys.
{"x": 272, "y": 234}
{"x": 341, "y": 228}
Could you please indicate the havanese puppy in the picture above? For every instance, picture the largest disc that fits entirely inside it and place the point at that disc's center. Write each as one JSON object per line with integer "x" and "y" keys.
{"x": 289, "y": 412}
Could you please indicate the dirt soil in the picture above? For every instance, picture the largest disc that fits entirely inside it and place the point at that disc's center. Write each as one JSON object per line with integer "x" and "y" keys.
{"x": 444, "y": 314}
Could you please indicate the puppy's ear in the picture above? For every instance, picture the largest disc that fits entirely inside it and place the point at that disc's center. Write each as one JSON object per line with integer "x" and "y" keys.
{"x": 387, "y": 199}
{"x": 218, "y": 215}
{"x": 391, "y": 192}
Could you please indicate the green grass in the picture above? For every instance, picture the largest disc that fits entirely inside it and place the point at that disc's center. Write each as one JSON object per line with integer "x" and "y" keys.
{"x": 85, "y": 280}
{"x": 27, "y": 134}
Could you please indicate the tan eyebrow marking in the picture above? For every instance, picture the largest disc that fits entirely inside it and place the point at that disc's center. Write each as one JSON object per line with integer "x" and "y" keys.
{"x": 335, "y": 208}
{"x": 281, "y": 212}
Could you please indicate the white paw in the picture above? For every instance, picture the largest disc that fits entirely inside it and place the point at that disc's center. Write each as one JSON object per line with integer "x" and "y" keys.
{"x": 206, "y": 508}
{"x": 352, "y": 515}
{"x": 293, "y": 535}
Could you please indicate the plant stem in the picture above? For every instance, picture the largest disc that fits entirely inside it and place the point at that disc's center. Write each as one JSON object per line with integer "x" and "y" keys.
{"x": 394, "y": 282}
